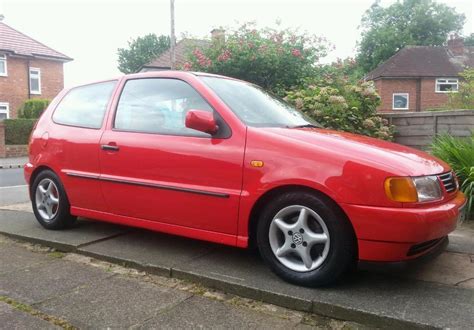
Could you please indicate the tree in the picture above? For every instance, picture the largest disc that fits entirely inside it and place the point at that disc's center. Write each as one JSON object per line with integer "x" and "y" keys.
{"x": 141, "y": 51}
{"x": 409, "y": 22}
{"x": 274, "y": 59}
{"x": 469, "y": 40}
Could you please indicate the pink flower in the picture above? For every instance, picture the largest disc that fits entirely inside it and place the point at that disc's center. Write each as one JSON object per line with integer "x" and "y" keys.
{"x": 187, "y": 66}
{"x": 296, "y": 52}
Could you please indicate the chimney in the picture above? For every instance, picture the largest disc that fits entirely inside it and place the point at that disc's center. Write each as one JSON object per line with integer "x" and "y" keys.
{"x": 456, "y": 45}
{"x": 218, "y": 35}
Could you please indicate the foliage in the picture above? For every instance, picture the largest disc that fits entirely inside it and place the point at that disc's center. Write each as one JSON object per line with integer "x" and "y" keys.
{"x": 337, "y": 104}
{"x": 17, "y": 131}
{"x": 459, "y": 154}
{"x": 33, "y": 108}
{"x": 141, "y": 51}
{"x": 469, "y": 40}
{"x": 464, "y": 98}
{"x": 408, "y": 22}
{"x": 275, "y": 59}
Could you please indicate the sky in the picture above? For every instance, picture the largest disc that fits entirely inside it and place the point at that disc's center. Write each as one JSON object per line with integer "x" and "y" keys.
{"x": 90, "y": 31}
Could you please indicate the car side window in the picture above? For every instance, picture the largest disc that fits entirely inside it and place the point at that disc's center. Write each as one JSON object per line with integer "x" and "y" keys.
{"x": 158, "y": 105}
{"x": 85, "y": 106}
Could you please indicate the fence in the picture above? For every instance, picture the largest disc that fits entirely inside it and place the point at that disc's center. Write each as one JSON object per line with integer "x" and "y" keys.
{"x": 417, "y": 129}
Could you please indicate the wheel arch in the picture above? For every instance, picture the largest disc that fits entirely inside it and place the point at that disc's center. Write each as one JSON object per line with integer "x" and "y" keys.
{"x": 276, "y": 191}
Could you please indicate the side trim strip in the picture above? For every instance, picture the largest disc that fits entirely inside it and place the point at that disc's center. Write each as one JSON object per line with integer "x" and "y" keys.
{"x": 150, "y": 185}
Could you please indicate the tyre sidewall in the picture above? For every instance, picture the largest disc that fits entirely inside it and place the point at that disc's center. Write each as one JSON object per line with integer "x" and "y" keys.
{"x": 63, "y": 217}
{"x": 341, "y": 250}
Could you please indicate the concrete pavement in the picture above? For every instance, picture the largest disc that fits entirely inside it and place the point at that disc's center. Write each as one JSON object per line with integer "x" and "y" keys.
{"x": 41, "y": 288}
{"x": 437, "y": 294}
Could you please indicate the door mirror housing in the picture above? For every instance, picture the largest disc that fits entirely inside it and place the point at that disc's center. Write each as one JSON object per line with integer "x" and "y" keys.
{"x": 202, "y": 121}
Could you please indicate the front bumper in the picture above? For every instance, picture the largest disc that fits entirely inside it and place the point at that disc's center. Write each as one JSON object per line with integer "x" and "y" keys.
{"x": 392, "y": 234}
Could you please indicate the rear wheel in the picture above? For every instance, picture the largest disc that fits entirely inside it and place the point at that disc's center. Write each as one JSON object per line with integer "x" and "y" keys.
{"x": 305, "y": 239}
{"x": 50, "y": 202}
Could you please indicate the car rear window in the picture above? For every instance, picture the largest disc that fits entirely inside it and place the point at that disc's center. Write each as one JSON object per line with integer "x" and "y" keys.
{"x": 85, "y": 106}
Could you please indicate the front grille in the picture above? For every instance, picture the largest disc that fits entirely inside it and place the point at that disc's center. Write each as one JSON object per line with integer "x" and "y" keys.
{"x": 421, "y": 247}
{"x": 448, "y": 181}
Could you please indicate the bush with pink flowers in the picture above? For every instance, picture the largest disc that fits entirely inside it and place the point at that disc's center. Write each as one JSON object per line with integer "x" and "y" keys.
{"x": 274, "y": 59}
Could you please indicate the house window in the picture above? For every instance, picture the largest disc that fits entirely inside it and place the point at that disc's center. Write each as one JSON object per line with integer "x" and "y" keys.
{"x": 35, "y": 81}
{"x": 4, "y": 111}
{"x": 400, "y": 101}
{"x": 3, "y": 65}
{"x": 447, "y": 85}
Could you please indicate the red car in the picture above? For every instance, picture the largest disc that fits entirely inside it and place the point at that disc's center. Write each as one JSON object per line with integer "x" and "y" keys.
{"x": 218, "y": 159}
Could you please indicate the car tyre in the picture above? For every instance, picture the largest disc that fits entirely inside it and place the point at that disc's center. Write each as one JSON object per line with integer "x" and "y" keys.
{"x": 306, "y": 239}
{"x": 50, "y": 202}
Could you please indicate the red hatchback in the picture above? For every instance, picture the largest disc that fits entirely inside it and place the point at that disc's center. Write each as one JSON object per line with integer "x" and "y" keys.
{"x": 218, "y": 159}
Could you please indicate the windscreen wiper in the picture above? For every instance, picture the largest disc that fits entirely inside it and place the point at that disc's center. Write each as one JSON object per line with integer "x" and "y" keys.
{"x": 305, "y": 125}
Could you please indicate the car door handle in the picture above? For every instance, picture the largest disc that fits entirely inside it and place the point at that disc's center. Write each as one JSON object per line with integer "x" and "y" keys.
{"x": 109, "y": 147}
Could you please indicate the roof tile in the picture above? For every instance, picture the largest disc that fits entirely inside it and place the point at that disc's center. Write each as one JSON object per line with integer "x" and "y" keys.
{"x": 18, "y": 43}
{"x": 423, "y": 61}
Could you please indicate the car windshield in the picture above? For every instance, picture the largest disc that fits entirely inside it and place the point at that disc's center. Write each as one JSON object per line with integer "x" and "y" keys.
{"x": 255, "y": 106}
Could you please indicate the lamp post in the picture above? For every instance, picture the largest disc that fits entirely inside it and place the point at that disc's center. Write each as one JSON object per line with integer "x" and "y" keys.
{"x": 172, "y": 37}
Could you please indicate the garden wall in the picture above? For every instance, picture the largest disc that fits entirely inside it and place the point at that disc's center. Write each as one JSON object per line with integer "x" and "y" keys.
{"x": 417, "y": 129}
{"x": 11, "y": 150}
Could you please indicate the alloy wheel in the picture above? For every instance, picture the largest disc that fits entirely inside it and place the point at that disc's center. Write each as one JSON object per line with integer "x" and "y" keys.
{"x": 299, "y": 238}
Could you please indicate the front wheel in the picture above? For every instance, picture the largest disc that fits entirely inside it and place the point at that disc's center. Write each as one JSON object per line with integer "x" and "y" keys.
{"x": 50, "y": 202}
{"x": 305, "y": 239}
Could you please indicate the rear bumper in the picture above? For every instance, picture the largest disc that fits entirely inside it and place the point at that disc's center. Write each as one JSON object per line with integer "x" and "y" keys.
{"x": 398, "y": 234}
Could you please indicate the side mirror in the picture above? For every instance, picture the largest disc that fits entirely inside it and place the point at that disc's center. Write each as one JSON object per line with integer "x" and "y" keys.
{"x": 201, "y": 120}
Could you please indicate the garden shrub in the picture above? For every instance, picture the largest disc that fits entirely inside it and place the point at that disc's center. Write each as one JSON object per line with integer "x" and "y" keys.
{"x": 17, "y": 131}
{"x": 33, "y": 108}
{"x": 459, "y": 154}
{"x": 274, "y": 59}
{"x": 345, "y": 107}
{"x": 464, "y": 98}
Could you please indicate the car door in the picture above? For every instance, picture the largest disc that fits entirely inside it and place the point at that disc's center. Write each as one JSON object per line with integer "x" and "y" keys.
{"x": 154, "y": 168}
{"x": 73, "y": 142}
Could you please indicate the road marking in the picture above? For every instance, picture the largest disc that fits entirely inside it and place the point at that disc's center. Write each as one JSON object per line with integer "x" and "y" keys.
{"x": 19, "y": 186}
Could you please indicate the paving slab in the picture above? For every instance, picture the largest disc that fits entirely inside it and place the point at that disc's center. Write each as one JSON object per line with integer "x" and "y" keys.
{"x": 362, "y": 297}
{"x": 153, "y": 252}
{"x": 448, "y": 268}
{"x": 462, "y": 239}
{"x": 38, "y": 283}
{"x": 23, "y": 259}
{"x": 188, "y": 315}
{"x": 381, "y": 300}
{"x": 25, "y": 226}
{"x": 102, "y": 303}
{"x": 12, "y": 318}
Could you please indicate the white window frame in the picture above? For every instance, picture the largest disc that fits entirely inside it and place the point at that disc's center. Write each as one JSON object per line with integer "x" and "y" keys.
{"x": 7, "y": 105}
{"x": 401, "y": 94}
{"x": 38, "y": 92}
{"x": 446, "y": 81}
{"x": 3, "y": 58}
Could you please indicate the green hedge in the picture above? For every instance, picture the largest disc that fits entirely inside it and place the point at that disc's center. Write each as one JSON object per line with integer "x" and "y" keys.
{"x": 33, "y": 108}
{"x": 17, "y": 131}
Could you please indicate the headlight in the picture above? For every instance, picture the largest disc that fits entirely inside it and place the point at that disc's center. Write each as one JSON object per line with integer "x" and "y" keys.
{"x": 428, "y": 188}
{"x": 411, "y": 190}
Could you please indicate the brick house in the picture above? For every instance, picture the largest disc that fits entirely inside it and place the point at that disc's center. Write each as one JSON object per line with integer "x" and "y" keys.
{"x": 418, "y": 78}
{"x": 28, "y": 69}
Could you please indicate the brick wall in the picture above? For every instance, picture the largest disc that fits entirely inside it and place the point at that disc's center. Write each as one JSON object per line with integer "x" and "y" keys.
{"x": 417, "y": 129}
{"x": 14, "y": 87}
{"x": 428, "y": 98}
